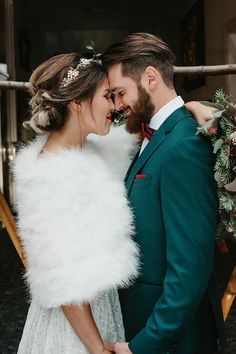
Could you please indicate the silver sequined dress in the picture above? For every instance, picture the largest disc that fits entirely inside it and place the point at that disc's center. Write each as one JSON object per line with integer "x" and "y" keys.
{"x": 47, "y": 331}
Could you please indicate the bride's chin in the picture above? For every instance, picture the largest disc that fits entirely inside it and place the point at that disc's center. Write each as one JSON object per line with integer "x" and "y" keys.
{"x": 105, "y": 131}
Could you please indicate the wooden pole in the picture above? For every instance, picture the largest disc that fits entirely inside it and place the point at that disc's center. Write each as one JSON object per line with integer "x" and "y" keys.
{"x": 229, "y": 295}
{"x": 14, "y": 85}
{"x": 9, "y": 221}
{"x": 212, "y": 70}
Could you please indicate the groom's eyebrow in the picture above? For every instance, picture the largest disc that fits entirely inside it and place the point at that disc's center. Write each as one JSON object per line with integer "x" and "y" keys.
{"x": 116, "y": 89}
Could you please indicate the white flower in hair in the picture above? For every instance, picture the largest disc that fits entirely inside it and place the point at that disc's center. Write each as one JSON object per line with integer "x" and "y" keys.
{"x": 84, "y": 62}
{"x": 73, "y": 73}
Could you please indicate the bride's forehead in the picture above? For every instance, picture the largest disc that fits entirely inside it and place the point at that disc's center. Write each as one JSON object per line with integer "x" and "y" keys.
{"x": 105, "y": 84}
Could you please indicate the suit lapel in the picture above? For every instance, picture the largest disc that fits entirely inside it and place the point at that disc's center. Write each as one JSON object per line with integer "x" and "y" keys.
{"x": 131, "y": 166}
{"x": 153, "y": 145}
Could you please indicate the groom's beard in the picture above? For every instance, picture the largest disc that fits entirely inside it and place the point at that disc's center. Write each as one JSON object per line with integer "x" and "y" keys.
{"x": 142, "y": 111}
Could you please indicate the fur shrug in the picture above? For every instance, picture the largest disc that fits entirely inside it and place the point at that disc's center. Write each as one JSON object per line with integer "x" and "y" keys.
{"x": 74, "y": 220}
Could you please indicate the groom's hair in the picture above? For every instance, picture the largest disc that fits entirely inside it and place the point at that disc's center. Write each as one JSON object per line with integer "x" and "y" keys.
{"x": 136, "y": 51}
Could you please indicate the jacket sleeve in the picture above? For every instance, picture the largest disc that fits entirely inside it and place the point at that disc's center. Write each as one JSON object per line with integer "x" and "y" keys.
{"x": 189, "y": 205}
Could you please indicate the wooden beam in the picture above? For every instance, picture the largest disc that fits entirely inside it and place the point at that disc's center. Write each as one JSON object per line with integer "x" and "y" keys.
{"x": 9, "y": 222}
{"x": 212, "y": 70}
{"x": 14, "y": 85}
{"x": 229, "y": 295}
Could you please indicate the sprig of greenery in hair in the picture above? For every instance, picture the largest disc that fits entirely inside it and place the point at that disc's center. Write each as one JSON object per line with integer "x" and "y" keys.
{"x": 92, "y": 50}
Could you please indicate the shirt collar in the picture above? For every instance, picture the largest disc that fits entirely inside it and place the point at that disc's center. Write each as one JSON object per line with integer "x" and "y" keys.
{"x": 158, "y": 119}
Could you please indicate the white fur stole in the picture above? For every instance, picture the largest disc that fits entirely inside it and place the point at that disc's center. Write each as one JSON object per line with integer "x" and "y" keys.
{"x": 74, "y": 219}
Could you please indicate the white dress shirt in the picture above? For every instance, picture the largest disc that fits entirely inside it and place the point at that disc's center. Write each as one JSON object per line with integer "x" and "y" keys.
{"x": 158, "y": 119}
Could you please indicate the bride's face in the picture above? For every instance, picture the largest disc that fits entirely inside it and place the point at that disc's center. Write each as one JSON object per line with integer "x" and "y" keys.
{"x": 97, "y": 112}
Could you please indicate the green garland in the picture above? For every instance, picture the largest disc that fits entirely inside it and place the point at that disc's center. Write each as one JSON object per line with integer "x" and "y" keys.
{"x": 222, "y": 132}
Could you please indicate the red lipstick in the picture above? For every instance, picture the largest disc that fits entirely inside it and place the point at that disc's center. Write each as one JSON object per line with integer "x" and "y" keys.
{"x": 109, "y": 117}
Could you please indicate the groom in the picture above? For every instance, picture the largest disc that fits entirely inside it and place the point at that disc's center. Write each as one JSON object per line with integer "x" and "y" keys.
{"x": 172, "y": 307}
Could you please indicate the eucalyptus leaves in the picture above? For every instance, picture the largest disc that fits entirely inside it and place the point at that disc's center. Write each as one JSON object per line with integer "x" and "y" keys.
{"x": 118, "y": 117}
{"x": 222, "y": 132}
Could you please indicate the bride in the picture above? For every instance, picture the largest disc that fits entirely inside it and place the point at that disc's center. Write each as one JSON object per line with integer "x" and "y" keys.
{"x": 73, "y": 216}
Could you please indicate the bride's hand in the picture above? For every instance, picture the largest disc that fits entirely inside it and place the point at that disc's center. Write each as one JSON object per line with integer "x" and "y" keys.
{"x": 200, "y": 112}
{"x": 118, "y": 348}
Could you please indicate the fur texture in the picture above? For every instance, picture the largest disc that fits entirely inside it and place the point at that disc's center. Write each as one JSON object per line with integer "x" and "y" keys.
{"x": 74, "y": 219}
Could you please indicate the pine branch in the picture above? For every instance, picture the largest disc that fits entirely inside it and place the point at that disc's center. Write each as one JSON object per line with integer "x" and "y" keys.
{"x": 222, "y": 134}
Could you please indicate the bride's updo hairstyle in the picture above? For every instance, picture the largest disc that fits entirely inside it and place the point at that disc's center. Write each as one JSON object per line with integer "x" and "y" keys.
{"x": 56, "y": 82}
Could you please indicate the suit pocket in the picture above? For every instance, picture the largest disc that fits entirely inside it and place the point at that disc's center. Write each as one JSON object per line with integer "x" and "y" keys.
{"x": 145, "y": 181}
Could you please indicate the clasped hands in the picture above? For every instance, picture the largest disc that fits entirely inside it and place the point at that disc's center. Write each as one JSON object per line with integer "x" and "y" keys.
{"x": 118, "y": 348}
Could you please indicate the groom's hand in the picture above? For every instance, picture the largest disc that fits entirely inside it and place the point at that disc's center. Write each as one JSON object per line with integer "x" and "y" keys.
{"x": 118, "y": 348}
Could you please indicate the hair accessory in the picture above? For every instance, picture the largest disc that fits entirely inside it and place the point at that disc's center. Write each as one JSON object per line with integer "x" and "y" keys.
{"x": 73, "y": 73}
{"x": 47, "y": 96}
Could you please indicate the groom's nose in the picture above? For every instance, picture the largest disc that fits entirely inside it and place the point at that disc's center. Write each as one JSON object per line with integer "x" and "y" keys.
{"x": 118, "y": 102}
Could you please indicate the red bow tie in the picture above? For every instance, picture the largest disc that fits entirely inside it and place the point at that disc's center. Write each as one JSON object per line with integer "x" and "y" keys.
{"x": 147, "y": 131}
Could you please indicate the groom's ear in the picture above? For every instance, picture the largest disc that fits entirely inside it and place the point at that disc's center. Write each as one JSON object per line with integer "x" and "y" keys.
{"x": 151, "y": 77}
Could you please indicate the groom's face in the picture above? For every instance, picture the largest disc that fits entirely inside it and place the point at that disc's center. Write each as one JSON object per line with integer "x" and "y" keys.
{"x": 131, "y": 97}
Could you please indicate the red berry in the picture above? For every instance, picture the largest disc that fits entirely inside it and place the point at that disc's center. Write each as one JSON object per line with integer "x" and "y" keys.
{"x": 212, "y": 131}
{"x": 222, "y": 246}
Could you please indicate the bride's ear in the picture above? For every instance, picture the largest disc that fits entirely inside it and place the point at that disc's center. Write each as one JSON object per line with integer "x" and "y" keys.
{"x": 75, "y": 105}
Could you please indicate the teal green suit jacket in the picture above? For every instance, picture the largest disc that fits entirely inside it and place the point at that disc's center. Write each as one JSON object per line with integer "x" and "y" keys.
{"x": 175, "y": 206}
